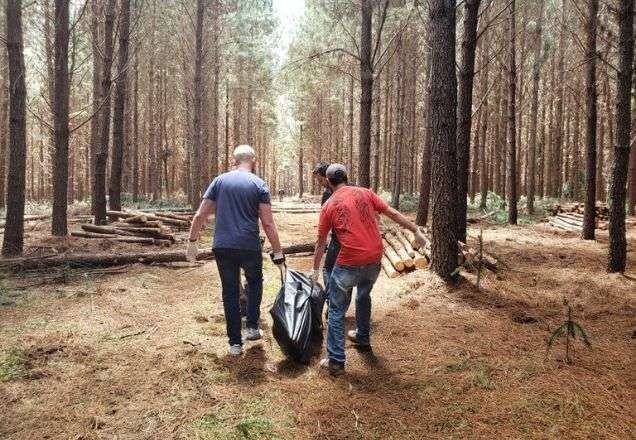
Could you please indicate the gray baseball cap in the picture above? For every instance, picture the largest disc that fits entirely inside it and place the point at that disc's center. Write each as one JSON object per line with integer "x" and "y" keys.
{"x": 336, "y": 171}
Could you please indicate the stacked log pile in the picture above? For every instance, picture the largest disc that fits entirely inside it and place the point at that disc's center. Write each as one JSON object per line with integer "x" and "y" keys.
{"x": 570, "y": 217}
{"x": 401, "y": 254}
{"x": 138, "y": 227}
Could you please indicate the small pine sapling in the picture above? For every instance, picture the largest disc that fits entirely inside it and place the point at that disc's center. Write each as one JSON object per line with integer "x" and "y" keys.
{"x": 569, "y": 329}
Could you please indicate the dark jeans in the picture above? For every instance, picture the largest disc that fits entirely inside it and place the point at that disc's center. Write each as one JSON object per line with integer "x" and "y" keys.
{"x": 343, "y": 280}
{"x": 230, "y": 262}
{"x": 330, "y": 259}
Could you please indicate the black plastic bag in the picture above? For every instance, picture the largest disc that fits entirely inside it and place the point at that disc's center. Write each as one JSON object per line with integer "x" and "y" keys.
{"x": 297, "y": 315}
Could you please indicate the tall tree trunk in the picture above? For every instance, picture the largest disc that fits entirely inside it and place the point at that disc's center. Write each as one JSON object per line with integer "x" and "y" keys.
{"x": 366, "y": 96}
{"x": 399, "y": 141}
{"x": 13, "y": 242}
{"x": 135, "y": 142}
{"x": 589, "y": 216}
{"x": 214, "y": 152}
{"x": 559, "y": 146}
{"x": 631, "y": 204}
{"x": 226, "y": 166}
{"x": 119, "y": 109}
{"x": 350, "y": 131}
{"x": 534, "y": 108}
{"x": 96, "y": 97}
{"x": 4, "y": 125}
{"x": 60, "y": 118}
{"x": 102, "y": 154}
{"x": 464, "y": 112}
{"x": 425, "y": 180}
{"x": 512, "y": 127}
{"x": 301, "y": 187}
{"x": 443, "y": 106}
{"x": 197, "y": 183}
{"x": 617, "y": 242}
{"x": 375, "y": 181}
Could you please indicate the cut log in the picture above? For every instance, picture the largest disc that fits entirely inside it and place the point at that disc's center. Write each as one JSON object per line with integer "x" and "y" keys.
{"x": 85, "y": 234}
{"x": 419, "y": 260}
{"x": 29, "y": 218}
{"x": 555, "y": 221}
{"x": 173, "y": 216}
{"x": 399, "y": 249}
{"x": 569, "y": 220}
{"x": 142, "y": 218}
{"x": 105, "y": 230}
{"x": 388, "y": 268}
{"x": 110, "y": 259}
{"x": 125, "y": 215}
{"x": 297, "y": 248}
{"x": 147, "y": 224}
{"x": 393, "y": 257}
{"x": 405, "y": 242}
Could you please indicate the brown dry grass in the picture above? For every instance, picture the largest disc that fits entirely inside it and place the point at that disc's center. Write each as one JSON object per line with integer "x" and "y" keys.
{"x": 142, "y": 355}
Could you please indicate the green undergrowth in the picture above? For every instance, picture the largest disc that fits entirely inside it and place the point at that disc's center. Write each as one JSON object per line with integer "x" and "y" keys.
{"x": 14, "y": 365}
{"x": 254, "y": 419}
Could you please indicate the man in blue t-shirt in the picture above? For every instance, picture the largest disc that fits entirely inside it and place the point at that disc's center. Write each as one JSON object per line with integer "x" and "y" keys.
{"x": 238, "y": 199}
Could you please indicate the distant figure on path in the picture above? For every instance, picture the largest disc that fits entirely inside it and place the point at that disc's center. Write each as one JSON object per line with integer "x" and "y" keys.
{"x": 238, "y": 199}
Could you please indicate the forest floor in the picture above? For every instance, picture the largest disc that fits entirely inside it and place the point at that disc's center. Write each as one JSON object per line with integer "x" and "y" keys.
{"x": 141, "y": 354}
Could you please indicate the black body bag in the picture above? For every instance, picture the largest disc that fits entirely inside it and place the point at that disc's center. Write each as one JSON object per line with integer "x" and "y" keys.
{"x": 297, "y": 315}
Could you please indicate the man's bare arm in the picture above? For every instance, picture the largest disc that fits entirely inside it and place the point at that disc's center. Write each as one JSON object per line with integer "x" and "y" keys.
{"x": 206, "y": 208}
{"x": 399, "y": 218}
{"x": 267, "y": 220}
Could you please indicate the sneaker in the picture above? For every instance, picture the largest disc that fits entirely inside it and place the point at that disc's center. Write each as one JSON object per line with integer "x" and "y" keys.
{"x": 236, "y": 350}
{"x": 353, "y": 337}
{"x": 253, "y": 334}
{"x": 334, "y": 368}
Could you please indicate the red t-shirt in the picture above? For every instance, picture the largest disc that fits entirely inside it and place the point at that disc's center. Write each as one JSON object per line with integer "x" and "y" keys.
{"x": 351, "y": 213}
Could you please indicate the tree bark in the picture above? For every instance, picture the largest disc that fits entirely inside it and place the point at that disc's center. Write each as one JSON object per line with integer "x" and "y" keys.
{"x": 464, "y": 112}
{"x": 534, "y": 108}
{"x": 96, "y": 97}
{"x": 301, "y": 186}
{"x": 4, "y": 122}
{"x": 197, "y": 183}
{"x": 425, "y": 180}
{"x": 13, "y": 242}
{"x": 214, "y": 152}
{"x": 102, "y": 154}
{"x": 366, "y": 96}
{"x": 617, "y": 240}
{"x": 135, "y": 142}
{"x": 443, "y": 106}
{"x": 61, "y": 119}
{"x": 589, "y": 217}
{"x": 119, "y": 105}
{"x": 512, "y": 127}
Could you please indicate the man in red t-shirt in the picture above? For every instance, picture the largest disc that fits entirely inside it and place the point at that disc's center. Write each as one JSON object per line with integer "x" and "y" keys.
{"x": 351, "y": 213}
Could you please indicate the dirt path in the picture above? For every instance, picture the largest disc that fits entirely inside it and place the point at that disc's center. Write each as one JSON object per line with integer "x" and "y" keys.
{"x": 142, "y": 355}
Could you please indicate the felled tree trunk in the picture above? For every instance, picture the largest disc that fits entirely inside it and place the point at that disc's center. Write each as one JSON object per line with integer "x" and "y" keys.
{"x": 104, "y": 260}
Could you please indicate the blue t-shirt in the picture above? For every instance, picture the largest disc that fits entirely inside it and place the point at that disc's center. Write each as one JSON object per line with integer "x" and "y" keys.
{"x": 237, "y": 195}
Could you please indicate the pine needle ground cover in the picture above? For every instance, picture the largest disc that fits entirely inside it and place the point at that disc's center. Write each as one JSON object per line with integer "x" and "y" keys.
{"x": 142, "y": 354}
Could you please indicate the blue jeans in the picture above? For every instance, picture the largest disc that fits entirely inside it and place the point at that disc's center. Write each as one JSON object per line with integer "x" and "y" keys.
{"x": 342, "y": 281}
{"x": 230, "y": 262}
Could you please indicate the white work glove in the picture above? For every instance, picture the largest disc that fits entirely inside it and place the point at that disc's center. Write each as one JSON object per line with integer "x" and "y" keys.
{"x": 191, "y": 251}
{"x": 313, "y": 276}
{"x": 420, "y": 239}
